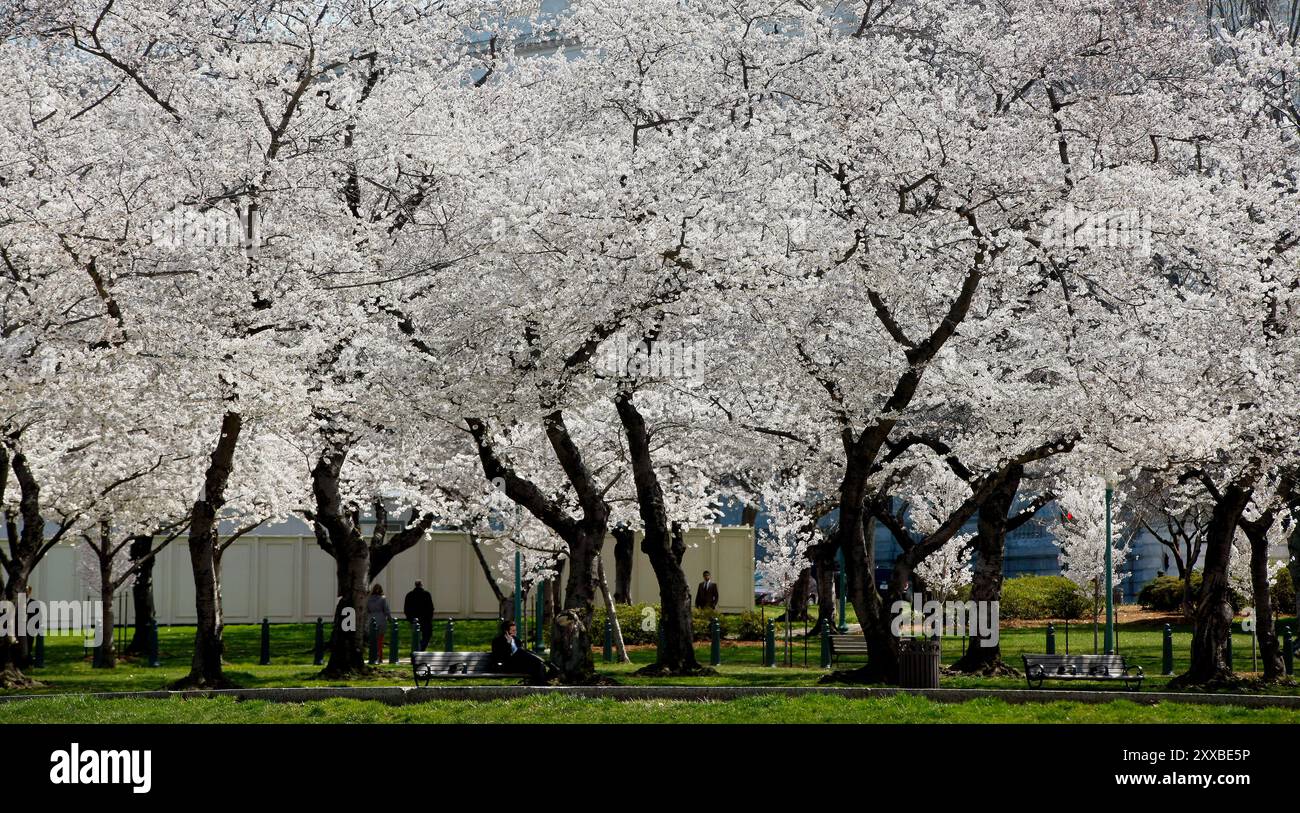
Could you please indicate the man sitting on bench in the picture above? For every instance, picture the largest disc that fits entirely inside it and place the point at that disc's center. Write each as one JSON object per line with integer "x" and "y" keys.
{"x": 510, "y": 656}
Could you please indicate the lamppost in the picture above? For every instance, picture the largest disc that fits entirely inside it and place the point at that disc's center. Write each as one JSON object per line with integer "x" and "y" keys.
{"x": 1108, "y": 642}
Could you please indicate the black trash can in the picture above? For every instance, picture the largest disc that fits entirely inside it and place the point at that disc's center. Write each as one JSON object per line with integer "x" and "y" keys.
{"x": 918, "y": 663}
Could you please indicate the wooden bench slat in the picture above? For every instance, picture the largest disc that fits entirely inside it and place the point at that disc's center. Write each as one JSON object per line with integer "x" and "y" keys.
{"x": 429, "y": 665}
{"x": 1039, "y": 668}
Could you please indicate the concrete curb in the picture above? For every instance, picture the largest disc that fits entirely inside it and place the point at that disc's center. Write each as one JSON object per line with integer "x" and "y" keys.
{"x": 400, "y": 695}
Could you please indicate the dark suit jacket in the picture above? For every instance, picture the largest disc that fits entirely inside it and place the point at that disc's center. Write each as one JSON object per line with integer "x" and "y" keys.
{"x": 501, "y": 648}
{"x": 706, "y": 598}
{"x": 418, "y": 605}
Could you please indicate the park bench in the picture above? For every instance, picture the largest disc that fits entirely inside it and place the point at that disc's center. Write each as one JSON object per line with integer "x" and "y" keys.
{"x": 842, "y": 646}
{"x": 1039, "y": 668}
{"x": 429, "y": 665}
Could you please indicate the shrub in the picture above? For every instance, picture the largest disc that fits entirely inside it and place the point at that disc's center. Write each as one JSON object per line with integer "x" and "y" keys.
{"x": 1282, "y": 593}
{"x": 1031, "y": 597}
{"x": 748, "y": 626}
{"x": 630, "y": 617}
{"x": 1165, "y": 593}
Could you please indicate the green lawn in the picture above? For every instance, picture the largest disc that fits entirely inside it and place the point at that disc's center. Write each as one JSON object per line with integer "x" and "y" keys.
{"x": 551, "y": 709}
{"x": 68, "y": 667}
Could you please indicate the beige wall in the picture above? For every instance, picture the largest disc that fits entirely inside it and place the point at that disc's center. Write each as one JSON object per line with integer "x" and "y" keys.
{"x": 288, "y": 578}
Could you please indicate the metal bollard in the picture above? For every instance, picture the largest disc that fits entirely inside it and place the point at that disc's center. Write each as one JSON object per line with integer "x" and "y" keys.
{"x": 1051, "y": 639}
{"x": 154, "y": 660}
{"x": 715, "y": 652}
{"x": 826, "y": 646}
{"x": 1167, "y": 655}
{"x": 449, "y": 637}
{"x": 38, "y": 651}
{"x": 415, "y": 638}
{"x": 319, "y": 656}
{"x": 1288, "y": 651}
{"x": 392, "y": 641}
{"x": 374, "y": 641}
{"x": 609, "y": 640}
{"x": 265, "y": 658}
{"x": 769, "y": 645}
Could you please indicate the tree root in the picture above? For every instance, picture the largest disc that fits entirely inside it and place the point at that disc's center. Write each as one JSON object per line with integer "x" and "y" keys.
{"x": 998, "y": 668}
{"x": 193, "y": 681}
{"x": 1220, "y": 680}
{"x": 12, "y": 678}
{"x": 861, "y": 675}
{"x": 661, "y": 670}
{"x": 352, "y": 673}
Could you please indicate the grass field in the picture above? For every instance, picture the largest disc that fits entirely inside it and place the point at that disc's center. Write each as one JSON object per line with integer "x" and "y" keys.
{"x": 552, "y": 709}
{"x": 68, "y": 667}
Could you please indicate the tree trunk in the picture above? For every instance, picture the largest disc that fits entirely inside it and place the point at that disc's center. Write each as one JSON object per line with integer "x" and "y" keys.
{"x": 571, "y": 627}
{"x": 27, "y": 546}
{"x": 338, "y": 533}
{"x": 800, "y": 592}
{"x": 664, "y": 545}
{"x": 1209, "y": 662}
{"x": 1269, "y": 649}
{"x": 1293, "y": 546}
{"x": 986, "y": 581}
{"x": 141, "y": 594}
{"x": 12, "y": 647}
{"x": 824, "y": 556}
{"x": 624, "y": 553}
{"x": 557, "y": 595}
{"x": 205, "y": 561}
{"x": 107, "y": 653}
{"x": 858, "y": 547}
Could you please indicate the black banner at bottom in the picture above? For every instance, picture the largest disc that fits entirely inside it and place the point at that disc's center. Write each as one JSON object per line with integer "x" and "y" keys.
{"x": 399, "y": 764}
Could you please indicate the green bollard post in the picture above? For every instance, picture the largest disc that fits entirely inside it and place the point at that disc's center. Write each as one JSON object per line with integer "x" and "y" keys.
{"x": 1051, "y": 639}
{"x": 265, "y": 658}
{"x": 38, "y": 651}
{"x": 449, "y": 637}
{"x": 318, "y": 656}
{"x": 153, "y": 644}
{"x": 1167, "y": 654}
{"x": 374, "y": 641}
{"x": 392, "y": 641}
{"x": 415, "y": 638}
{"x": 826, "y": 646}
{"x": 609, "y": 641}
{"x": 769, "y": 645}
{"x": 1288, "y": 651}
{"x": 715, "y": 651}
